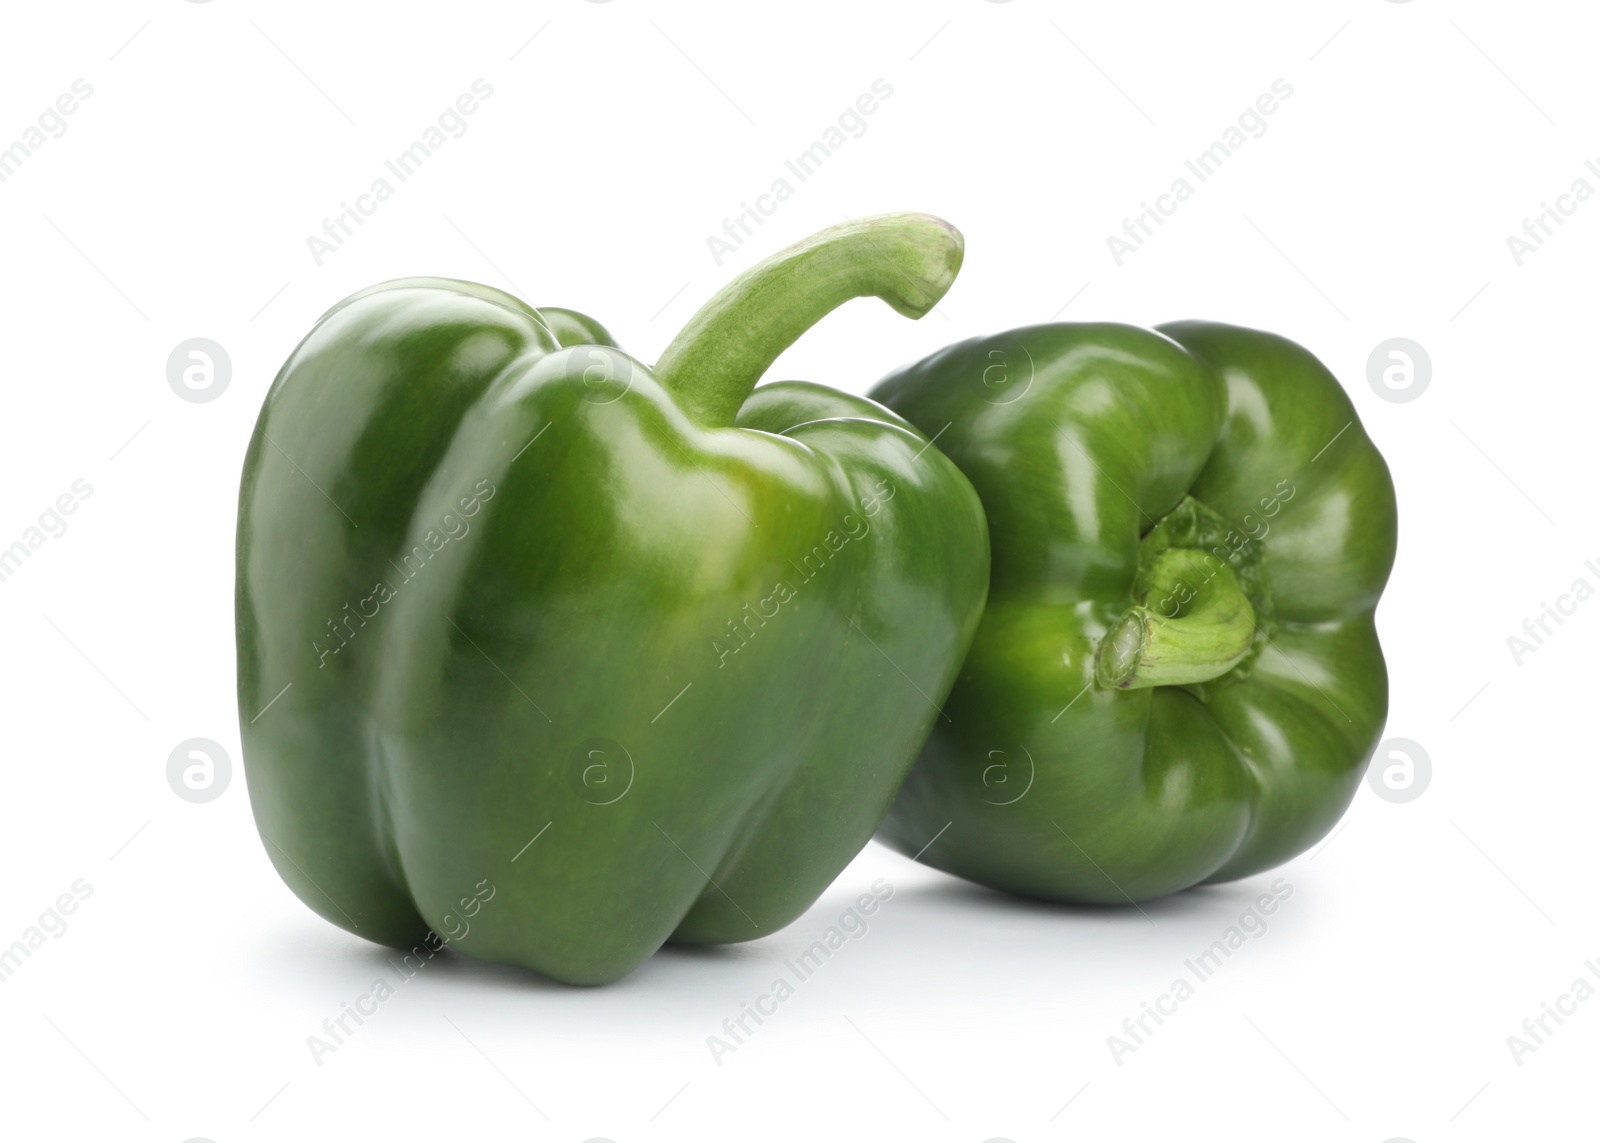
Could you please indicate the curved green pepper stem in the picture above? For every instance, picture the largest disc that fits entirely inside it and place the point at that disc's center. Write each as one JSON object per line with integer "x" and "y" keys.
{"x": 1201, "y": 625}
{"x": 908, "y": 260}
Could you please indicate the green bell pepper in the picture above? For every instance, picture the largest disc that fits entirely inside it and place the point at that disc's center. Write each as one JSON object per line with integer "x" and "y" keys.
{"x": 554, "y": 656}
{"x": 1177, "y": 679}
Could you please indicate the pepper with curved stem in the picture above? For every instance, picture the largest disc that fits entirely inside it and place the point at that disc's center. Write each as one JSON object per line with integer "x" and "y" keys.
{"x": 533, "y": 640}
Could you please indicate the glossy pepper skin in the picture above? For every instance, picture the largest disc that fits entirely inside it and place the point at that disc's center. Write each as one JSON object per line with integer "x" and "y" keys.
{"x": 559, "y": 656}
{"x": 1177, "y": 680}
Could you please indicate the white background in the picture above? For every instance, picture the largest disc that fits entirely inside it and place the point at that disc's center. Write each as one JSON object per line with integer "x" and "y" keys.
{"x": 178, "y": 1002}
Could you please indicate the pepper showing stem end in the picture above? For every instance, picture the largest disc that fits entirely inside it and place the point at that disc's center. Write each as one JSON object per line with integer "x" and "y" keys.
{"x": 1114, "y": 446}
{"x": 1201, "y": 626}
{"x": 908, "y": 260}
